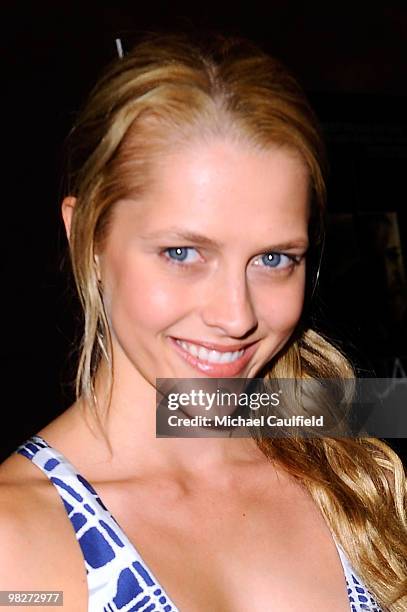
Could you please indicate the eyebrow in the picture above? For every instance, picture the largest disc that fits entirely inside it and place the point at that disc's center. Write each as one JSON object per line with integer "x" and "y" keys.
{"x": 193, "y": 237}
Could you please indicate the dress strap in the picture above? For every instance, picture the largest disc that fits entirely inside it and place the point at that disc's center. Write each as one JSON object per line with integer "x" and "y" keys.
{"x": 118, "y": 578}
{"x": 360, "y": 598}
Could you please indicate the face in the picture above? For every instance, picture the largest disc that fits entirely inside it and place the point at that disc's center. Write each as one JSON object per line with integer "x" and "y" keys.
{"x": 204, "y": 277}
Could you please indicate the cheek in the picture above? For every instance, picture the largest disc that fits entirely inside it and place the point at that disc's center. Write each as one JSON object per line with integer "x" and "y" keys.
{"x": 282, "y": 307}
{"x": 137, "y": 298}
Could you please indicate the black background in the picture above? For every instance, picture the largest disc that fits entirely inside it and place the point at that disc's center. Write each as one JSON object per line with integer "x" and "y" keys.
{"x": 351, "y": 59}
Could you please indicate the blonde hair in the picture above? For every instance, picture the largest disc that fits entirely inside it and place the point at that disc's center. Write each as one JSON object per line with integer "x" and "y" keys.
{"x": 164, "y": 92}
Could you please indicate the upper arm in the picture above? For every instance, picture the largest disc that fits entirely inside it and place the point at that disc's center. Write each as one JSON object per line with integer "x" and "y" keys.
{"x": 38, "y": 550}
{"x": 24, "y": 564}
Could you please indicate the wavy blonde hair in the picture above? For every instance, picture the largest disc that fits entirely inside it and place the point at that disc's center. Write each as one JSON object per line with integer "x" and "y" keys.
{"x": 165, "y": 92}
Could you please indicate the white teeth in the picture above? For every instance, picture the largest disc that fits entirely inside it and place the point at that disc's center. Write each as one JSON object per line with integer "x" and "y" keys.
{"x": 210, "y": 355}
{"x": 215, "y": 356}
{"x": 203, "y": 353}
{"x": 192, "y": 348}
{"x": 226, "y": 358}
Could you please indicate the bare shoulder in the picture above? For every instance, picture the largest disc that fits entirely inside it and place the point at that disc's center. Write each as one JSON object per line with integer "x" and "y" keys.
{"x": 38, "y": 550}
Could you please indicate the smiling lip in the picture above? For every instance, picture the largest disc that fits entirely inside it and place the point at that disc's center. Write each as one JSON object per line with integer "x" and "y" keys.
{"x": 222, "y": 348}
{"x": 216, "y": 370}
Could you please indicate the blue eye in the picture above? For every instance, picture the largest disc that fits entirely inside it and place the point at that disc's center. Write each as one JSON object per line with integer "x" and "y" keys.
{"x": 178, "y": 254}
{"x": 272, "y": 260}
{"x": 181, "y": 256}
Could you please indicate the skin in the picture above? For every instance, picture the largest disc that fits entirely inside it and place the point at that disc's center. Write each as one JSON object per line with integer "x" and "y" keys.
{"x": 248, "y": 201}
{"x": 197, "y": 499}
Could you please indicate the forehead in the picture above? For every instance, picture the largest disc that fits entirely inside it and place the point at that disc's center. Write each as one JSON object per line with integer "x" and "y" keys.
{"x": 222, "y": 186}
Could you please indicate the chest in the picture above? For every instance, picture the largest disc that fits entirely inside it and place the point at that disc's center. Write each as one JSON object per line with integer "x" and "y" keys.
{"x": 228, "y": 553}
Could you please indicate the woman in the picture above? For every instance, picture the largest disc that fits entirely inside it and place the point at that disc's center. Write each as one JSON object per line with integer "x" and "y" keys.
{"x": 194, "y": 217}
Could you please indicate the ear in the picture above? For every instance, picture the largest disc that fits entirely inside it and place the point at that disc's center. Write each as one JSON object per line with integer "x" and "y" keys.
{"x": 68, "y": 205}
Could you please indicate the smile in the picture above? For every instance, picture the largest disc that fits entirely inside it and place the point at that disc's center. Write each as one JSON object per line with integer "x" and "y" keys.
{"x": 212, "y": 356}
{"x": 213, "y": 362}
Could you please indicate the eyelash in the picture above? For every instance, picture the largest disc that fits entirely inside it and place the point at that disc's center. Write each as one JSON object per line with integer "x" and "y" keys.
{"x": 294, "y": 259}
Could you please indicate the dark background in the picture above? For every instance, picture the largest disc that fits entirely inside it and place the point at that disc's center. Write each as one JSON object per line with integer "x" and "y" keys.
{"x": 351, "y": 59}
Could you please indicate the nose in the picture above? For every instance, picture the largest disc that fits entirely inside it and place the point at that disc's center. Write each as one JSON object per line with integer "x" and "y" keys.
{"x": 228, "y": 306}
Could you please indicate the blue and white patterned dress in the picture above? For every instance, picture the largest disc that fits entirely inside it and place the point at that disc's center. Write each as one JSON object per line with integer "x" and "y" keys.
{"x": 118, "y": 578}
